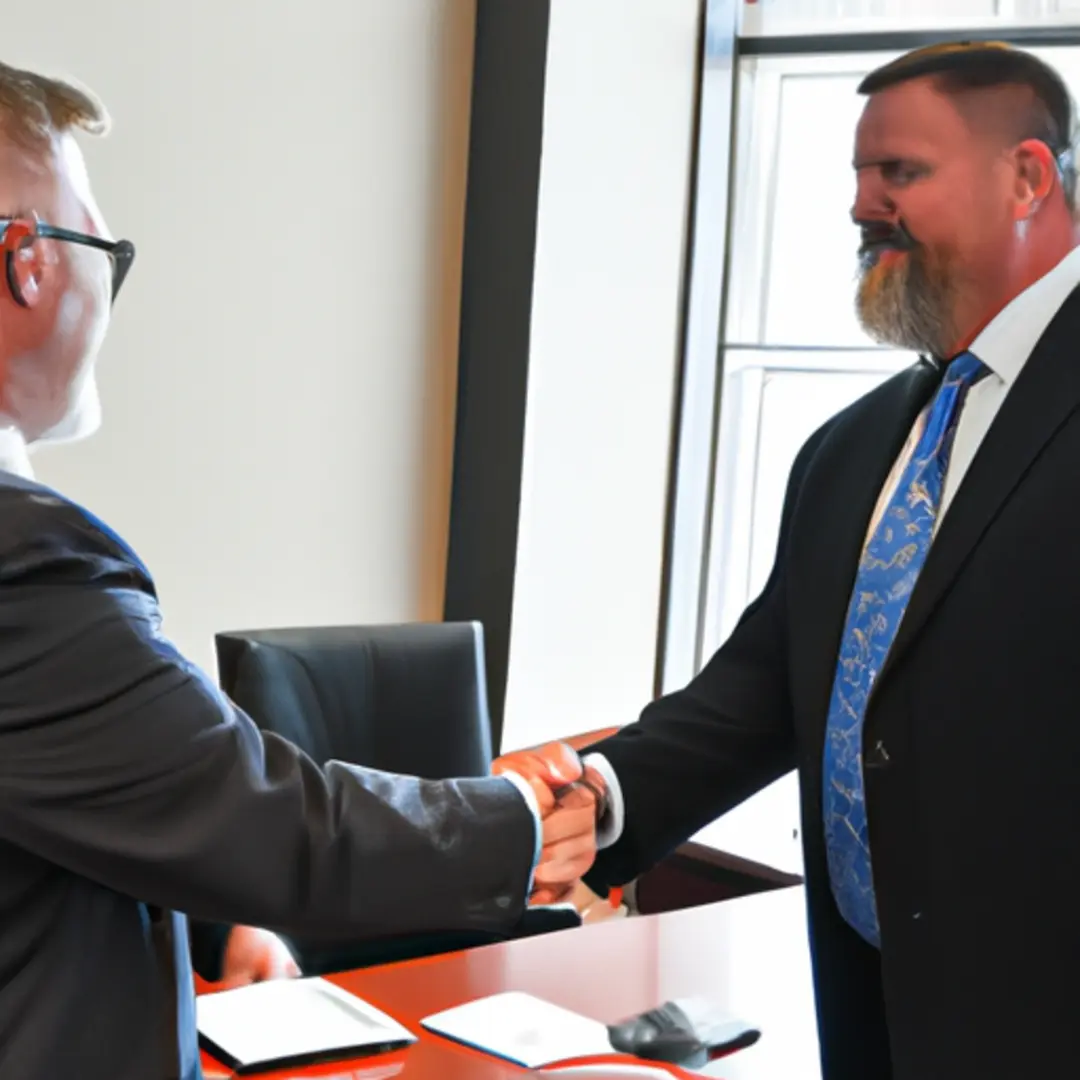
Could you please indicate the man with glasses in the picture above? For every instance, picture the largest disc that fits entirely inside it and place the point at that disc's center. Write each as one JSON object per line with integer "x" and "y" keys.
{"x": 131, "y": 790}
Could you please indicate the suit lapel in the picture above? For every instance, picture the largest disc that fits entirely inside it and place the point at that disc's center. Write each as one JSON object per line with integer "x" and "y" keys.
{"x": 1045, "y": 394}
{"x": 855, "y": 461}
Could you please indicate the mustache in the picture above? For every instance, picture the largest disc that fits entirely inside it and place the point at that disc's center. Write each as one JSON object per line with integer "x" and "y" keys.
{"x": 878, "y": 236}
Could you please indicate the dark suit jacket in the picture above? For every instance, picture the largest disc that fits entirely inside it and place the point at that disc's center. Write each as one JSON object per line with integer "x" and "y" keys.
{"x": 130, "y": 788}
{"x": 971, "y": 740}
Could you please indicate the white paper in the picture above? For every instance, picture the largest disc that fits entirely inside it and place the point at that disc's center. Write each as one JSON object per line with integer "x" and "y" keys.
{"x": 288, "y": 1018}
{"x": 521, "y": 1028}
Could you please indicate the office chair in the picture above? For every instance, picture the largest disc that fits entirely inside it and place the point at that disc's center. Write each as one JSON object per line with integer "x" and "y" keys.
{"x": 408, "y": 698}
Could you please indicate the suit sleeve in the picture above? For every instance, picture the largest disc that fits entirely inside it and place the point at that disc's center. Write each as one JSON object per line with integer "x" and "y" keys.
{"x": 122, "y": 763}
{"x": 699, "y": 752}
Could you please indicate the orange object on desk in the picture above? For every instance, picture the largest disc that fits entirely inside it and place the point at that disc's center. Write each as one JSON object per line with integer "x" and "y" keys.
{"x": 748, "y": 956}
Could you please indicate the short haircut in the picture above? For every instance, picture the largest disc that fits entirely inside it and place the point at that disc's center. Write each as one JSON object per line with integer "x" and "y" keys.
{"x": 964, "y": 67}
{"x": 34, "y": 108}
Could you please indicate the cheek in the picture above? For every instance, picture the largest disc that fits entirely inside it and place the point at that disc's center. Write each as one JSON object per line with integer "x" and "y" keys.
{"x": 81, "y": 321}
{"x": 54, "y": 339}
{"x": 959, "y": 217}
{"x": 28, "y": 330}
{"x": 72, "y": 314}
{"x": 82, "y": 310}
{"x": 929, "y": 217}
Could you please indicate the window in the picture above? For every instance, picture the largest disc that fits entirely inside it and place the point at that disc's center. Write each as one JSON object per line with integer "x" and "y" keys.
{"x": 792, "y": 353}
{"x": 764, "y": 18}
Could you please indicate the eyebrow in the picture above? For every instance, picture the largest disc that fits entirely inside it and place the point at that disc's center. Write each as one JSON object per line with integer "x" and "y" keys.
{"x": 892, "y": 160}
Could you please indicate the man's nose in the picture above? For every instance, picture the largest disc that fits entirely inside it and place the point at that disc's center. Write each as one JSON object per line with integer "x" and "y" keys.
{"x": 872, "y": 203}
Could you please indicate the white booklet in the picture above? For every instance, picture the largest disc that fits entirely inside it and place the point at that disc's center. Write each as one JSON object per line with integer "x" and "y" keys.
{"x": 523, "y": 1029}
{"x": 292, "y": 1022}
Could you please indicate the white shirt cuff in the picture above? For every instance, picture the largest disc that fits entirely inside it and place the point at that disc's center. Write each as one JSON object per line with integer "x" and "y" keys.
{"x": 529, "y": 796}
{"x": 610, "y": 828}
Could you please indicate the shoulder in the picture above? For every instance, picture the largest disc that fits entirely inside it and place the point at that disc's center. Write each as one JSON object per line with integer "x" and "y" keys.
{"x": 879, "y": 406}
{"x": 47, "y": 537}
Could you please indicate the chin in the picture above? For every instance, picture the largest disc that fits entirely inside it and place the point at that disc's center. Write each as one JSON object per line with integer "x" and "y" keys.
{"x": 82, "y": 419}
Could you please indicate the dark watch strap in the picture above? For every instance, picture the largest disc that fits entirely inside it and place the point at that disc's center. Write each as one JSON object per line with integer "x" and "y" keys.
{"x": 603, "y": 801}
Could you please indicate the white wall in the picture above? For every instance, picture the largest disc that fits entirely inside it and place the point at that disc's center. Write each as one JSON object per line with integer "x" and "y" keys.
{"x": 614, "y": 189}
{"x": 278, "y": 382}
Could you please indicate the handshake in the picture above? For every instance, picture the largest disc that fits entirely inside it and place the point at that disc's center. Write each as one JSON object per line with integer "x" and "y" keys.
{"x": 572, "y": 799}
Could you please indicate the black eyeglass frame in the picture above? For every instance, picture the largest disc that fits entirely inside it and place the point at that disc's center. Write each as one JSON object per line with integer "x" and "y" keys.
{"x": 120, "y": 252}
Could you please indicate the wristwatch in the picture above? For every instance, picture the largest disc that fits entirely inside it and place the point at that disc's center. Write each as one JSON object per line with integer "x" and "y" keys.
{"x": 600, "y": 793}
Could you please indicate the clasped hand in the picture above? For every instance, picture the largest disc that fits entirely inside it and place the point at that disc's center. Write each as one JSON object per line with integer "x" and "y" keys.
{"x": 566, "y": 794}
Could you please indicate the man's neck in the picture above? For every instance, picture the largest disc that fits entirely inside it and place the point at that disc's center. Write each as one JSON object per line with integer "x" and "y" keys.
{"x": 1031, "y": 265}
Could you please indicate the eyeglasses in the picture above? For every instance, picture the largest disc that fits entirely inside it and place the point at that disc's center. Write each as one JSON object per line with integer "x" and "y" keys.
{"x": 17, "y": 234}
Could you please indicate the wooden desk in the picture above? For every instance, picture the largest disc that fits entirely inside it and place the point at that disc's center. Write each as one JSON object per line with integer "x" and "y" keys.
{"x": 749, "y": 955}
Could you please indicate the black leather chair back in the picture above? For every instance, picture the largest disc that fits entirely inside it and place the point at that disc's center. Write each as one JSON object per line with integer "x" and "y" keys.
{"x": 407, "y": 698}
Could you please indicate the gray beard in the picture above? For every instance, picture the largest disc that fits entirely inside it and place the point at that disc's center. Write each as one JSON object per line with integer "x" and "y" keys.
{"x": 908, "y": 310}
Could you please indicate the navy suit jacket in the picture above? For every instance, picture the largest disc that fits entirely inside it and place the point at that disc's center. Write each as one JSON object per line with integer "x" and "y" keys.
{"x": 134, "y": 794}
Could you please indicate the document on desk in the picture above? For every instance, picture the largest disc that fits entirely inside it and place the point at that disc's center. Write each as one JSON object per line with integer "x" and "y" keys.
{"x": 523, "y": 1029}
{"x": 292, "y": 1022}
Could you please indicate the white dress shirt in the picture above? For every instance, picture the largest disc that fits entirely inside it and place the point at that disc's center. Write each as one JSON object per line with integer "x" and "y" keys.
{"x": 1004, "y": 346}
{"x": 14, "y": 457}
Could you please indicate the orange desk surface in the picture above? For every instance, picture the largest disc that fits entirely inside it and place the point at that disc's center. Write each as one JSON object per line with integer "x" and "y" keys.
{"x": 750, "y": 956}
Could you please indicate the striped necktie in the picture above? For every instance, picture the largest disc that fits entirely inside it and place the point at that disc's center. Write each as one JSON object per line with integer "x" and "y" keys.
{"x": 887, "y": 573}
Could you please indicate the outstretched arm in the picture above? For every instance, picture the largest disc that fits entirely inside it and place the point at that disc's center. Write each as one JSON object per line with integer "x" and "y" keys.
{"x": 696, "y": 753}
{"x": 122, "y": 763}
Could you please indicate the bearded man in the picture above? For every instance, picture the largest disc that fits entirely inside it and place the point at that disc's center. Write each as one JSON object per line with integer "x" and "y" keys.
{"x": 913, "y": 653}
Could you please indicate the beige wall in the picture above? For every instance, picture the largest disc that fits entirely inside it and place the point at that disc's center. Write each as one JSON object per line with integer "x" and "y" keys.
{"x": 614, "y": 190}
{"x": 278, "y": 382}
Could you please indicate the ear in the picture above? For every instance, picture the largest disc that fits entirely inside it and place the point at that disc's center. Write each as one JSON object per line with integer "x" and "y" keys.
{"x": 24, "y": 264}
{"x": 1035, "y": 174}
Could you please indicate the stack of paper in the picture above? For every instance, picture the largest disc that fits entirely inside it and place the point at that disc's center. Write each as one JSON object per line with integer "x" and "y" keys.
{"x": 291, "y": 1022}
{"x": 523, "y": 1029}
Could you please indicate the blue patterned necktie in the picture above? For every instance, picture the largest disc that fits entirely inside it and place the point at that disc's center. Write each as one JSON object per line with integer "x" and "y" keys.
{"x": 887, "y": 574}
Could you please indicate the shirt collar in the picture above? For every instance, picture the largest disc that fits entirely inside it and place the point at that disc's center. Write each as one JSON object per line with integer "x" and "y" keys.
{"x": 13, "y": 454}
{"x": 1007, "y": 341}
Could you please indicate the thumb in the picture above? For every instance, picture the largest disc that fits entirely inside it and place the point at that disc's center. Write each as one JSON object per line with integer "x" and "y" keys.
{"x": 544, "y": 796}
{"x": 562, "y": 763}
{"x": 290, "y": 969}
